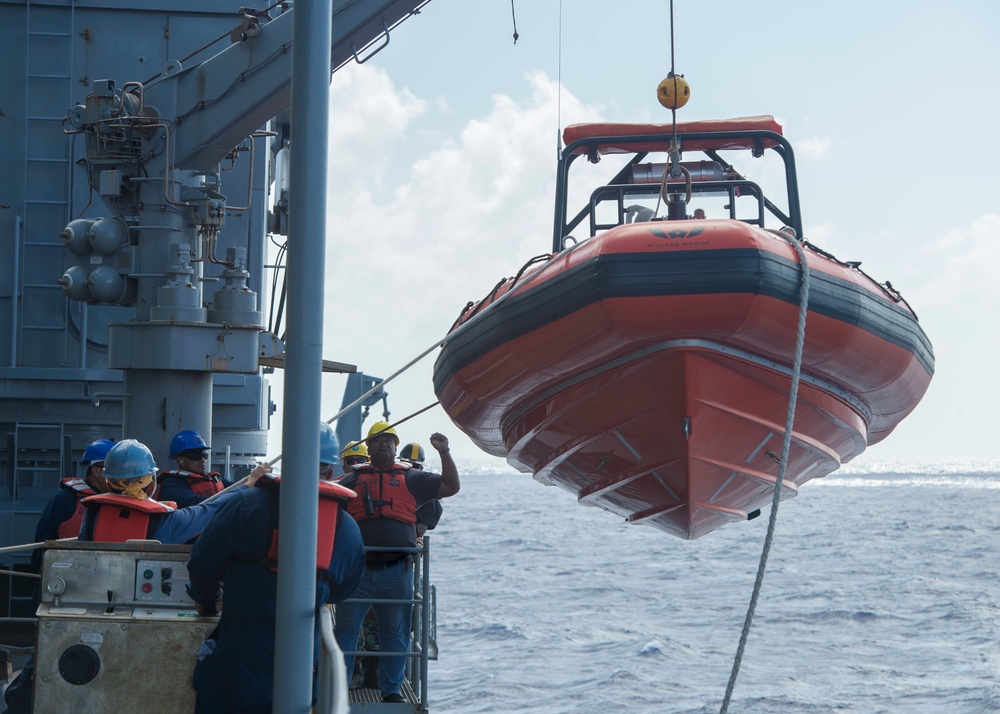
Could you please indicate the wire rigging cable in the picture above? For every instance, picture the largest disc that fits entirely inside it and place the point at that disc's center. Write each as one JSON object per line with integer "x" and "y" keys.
{"x": 559, "y": 145}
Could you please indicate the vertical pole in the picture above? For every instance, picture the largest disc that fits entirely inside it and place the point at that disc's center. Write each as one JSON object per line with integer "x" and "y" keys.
{"x": 294, "y": 628}
{"x": 16, "y": 290}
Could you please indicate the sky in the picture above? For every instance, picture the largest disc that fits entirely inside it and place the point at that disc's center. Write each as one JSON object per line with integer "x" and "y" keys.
{"x": 444, "y": 144}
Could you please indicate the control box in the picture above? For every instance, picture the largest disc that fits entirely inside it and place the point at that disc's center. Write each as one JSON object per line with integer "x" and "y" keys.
{"x": 116, "y": 629}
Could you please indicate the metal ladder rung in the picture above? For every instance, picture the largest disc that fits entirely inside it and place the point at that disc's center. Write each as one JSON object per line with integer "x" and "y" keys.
{"x": 57, "y": 45}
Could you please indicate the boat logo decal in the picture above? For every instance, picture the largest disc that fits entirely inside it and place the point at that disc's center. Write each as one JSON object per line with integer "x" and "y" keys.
{"x": 659, "y": 233}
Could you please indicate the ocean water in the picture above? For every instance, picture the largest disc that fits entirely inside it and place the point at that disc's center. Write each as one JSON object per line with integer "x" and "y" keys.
{"x": 881, "y": 594}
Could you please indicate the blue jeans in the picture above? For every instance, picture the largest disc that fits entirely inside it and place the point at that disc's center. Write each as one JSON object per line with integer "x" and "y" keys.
{"x": 394, "y": 582}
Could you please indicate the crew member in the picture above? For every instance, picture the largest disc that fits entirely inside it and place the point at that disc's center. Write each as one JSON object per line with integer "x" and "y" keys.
{"x": 354, "y": 454}
{"x": 126, "y": 512}
{"x": 240, "y": 545}
{"x": 428, "y": 515}
{"x": 63, "y": 513}
{"x": 385, "y": 508}
{"x": 329, "y": 453}
{"x": 191, "y": 482}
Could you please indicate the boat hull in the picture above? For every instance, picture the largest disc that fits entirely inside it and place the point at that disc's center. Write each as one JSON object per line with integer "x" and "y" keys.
{"x": 683, "y": 439}
{"x": 650, "y": 374}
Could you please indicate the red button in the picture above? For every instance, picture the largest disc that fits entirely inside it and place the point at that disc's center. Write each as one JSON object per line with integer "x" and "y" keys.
{"x": 147, "y": 587}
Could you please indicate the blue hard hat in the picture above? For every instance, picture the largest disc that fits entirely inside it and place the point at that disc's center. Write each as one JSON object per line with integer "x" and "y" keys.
{"x": 97, "y": 451}
{"x": 329, "y": 446}
{"x": 186, "y": 440}
{"x": 129, "y": 460}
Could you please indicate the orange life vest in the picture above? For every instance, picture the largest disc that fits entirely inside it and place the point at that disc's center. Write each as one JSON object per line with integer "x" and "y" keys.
{"x": 204, "y": 485}
{"x": 331, "y": 497}
{"x": 120, "y": 518}
{"x": 70, "y": 528}
{"x": 382, "y": 494}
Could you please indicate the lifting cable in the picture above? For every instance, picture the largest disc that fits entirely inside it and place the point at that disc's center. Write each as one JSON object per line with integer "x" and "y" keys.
{"x": 673, "y": 168}
{"x": 785, "y": 446}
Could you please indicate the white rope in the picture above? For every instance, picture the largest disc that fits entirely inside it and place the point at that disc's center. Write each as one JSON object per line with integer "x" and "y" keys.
{"x": 785, "y": 446}
{"x": 31, "y": 546}
{"x": 19, "y": 574}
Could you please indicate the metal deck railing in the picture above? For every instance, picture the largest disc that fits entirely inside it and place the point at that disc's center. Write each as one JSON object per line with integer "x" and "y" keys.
{"x": 423, "y": 640}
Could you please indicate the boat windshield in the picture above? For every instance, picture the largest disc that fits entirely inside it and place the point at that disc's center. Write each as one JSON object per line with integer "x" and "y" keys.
{"x": 746, "y": 175}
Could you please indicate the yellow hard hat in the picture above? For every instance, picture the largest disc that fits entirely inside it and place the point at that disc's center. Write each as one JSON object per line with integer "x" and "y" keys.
{"x": 355, "y": 448}
{"x": 382, "y": 427}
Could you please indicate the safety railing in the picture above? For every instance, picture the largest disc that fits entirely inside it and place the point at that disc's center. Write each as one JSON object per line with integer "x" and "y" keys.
{"x": 331, "y": 680}
{"x": 423, "y": 645}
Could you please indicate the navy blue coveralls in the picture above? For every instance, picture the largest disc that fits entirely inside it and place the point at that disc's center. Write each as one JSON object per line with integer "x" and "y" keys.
{"x": 238, "y": 676}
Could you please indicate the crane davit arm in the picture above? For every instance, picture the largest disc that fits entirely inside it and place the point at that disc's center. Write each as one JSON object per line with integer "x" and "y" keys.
{"x": 217, "y": 104}
{"x": 154, "y": 153}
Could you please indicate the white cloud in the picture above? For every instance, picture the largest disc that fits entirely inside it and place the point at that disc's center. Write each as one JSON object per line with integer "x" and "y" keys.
{"x": 365, "y": 106}
{"x": 962, "y": 268}
{"x": 814, "y": 148}
{"x": 369, "y": 116}
{"x": 472, "y": 209}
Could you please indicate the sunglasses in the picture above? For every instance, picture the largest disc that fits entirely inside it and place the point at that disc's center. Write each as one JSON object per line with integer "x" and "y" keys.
{"x": 195, "y": 455}
{"x": 352, "y": 460}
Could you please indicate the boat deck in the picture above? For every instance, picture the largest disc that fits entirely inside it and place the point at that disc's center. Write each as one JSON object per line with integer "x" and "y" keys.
{"x": 370, "y": 700}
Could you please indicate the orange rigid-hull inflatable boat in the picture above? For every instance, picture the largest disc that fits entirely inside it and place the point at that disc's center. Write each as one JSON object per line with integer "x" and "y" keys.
{"x": 647, "y": 368}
